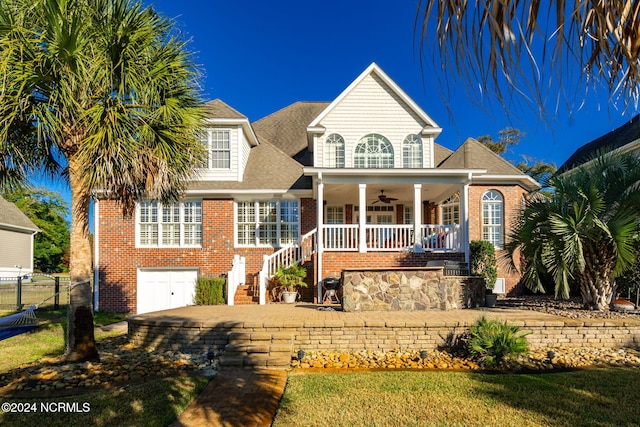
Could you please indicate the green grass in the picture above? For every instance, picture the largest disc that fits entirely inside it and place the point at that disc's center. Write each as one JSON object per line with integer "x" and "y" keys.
{"x": 153, "y": 403}
{"x": 46, "y": 341}
{"x": 599, "y": 397}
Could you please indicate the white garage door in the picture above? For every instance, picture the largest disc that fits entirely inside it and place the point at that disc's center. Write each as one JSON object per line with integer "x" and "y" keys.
{"x": 165, "y": 289}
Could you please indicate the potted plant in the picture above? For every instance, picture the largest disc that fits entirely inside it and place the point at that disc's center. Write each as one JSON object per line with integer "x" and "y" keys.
{"x": 290, "y": 279}
{"x": 484, "y": 264}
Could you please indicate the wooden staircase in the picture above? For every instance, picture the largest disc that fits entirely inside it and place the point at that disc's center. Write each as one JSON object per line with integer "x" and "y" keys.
{"x": 246, "y": 294}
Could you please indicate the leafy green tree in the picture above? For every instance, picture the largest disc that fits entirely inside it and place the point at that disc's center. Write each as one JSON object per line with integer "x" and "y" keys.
{"x": 584, "y": 232}
{"x": 102, "y": 92}
{"x": 510, "y": 137}
{"x": 531, "y": 48}
{"x": 49, "y": 212}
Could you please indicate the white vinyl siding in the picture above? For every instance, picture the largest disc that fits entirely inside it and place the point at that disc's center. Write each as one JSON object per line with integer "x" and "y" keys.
{"x": 227, "y": 155}
{"x": 372, "y": 107}
{"x": 16, "y": 250}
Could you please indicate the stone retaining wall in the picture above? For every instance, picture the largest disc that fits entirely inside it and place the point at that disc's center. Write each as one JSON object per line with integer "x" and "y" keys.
{"x": 252, "y": 346}
{"x": 408, "y": 289}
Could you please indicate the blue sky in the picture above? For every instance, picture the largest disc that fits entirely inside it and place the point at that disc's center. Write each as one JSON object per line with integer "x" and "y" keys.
{"x": 259, "y": 57}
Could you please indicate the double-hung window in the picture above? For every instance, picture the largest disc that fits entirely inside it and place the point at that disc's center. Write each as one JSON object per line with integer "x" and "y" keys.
{"x": 171, "y": 225}
{"x": 267, "y": 223}
{"x": 218, "y": 144}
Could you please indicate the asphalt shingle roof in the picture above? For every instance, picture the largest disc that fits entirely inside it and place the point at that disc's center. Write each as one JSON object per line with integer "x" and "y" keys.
{"x": 10, "y": 215}
{"x": 267, "y": 168}
{"x": 217, "y": 109}
{"x": 287, "y": 128}
{"x": 472, "y": 154}
{"x": 617, "y": 138}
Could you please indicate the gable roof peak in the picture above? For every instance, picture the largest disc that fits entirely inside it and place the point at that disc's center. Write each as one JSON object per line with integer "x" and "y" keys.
{"x": 374, "y": 68}
{"x": 218, "y": 109}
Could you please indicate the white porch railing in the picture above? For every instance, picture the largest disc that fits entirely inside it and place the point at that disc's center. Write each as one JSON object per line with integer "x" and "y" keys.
{"x": 441, "y": 237}
{"x": 286, "y": 256}
{"x": 235, "y": 277}
{"x": 391, "y": 237}
{"x": 341, "y": 237}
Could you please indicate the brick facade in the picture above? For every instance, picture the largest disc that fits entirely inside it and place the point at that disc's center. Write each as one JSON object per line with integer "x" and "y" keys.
{"x": 119, "y": 259}
{"x": 513, "y": 197}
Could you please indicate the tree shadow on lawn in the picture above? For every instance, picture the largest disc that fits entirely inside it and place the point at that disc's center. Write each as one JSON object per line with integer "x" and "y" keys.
{"x": 592, "y": 397}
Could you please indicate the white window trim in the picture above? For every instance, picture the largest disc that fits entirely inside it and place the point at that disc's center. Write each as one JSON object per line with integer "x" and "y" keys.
{"x": 331, "y": 158}
{"x": 450, "y": 203}
{"x": 256, "y": 204}
{"x": 209, "y": 147}
{"x": 499, "y": 246}
{"x": 182, "y": 224}
{"x": 366, "y": 157}
{"x": 412, "y": 152}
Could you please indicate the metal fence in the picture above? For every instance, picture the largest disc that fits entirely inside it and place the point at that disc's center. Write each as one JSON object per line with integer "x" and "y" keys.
{"x": 44, "y": 289}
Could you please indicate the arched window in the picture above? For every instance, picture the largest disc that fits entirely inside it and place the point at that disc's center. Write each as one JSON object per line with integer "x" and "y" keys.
{"x": 451, "y": 210}
{"x": 412, "y": 152}
{"x": 334, "y": 151}
{"x": 373, "y": 151}
{"x": 492, "y": 218}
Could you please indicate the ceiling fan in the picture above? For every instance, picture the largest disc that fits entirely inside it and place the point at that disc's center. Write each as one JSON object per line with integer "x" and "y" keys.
{"x": 384, "y": 199}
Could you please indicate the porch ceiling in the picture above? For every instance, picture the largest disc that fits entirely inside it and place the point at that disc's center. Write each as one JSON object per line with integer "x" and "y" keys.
{"x": 341, "y": 194}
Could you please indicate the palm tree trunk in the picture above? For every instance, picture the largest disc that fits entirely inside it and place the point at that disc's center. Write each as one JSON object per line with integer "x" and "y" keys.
{"x": 596, "y": 289}
{"x": 81, "y": 345}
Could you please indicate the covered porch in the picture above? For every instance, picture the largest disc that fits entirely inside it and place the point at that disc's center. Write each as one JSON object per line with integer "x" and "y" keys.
{"x": 391, "y": 210}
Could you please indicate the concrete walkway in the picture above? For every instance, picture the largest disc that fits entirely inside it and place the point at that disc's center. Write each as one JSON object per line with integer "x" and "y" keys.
{"x": 236, "y": 397}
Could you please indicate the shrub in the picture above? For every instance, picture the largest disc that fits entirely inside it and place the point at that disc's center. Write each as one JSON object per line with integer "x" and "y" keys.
{"x": 482, "y": 255}
{"x": 490, "y": 342}
{"x": 210, "y": 290}
{"x": 292, "y": 277}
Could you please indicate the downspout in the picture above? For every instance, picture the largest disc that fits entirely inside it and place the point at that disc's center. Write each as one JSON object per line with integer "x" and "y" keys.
{"x": 320, "y": 234}
{"x": 96, "y": 254}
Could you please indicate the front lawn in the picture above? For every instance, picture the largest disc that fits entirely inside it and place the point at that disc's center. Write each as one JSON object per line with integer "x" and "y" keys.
{"x": 598, "y": 397}
{"x": 153, "y": 403}
{"x": 46, "y": 341}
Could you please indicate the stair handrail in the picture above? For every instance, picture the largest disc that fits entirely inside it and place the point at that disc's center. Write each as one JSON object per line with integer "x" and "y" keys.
{"x": 285, "y": 257}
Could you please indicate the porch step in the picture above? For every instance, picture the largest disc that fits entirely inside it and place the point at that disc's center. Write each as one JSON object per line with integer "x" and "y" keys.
{"x": 245, "y": 295}
{"x": 258, "y": 349}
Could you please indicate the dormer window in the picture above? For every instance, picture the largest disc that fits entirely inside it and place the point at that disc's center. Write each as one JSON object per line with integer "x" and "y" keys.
{"x": 373, "y": 151}
{"x": 412, "y": 152}
{"x": 218, "y": 143}
{"x": 334, "y": 151}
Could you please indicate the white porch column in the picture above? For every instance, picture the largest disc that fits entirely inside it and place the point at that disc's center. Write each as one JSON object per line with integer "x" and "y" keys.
{"x": 417, "y": 213}
{"x": 320, "y": 234}
{"x": 464, "y": 220}
{"x": 362, "y": 200}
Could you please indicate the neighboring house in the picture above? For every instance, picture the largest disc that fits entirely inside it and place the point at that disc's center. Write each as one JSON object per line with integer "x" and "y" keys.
{"x": 390, "y": 197}
{"x": 624, "y": 139}
{"x": 16, "y": 241}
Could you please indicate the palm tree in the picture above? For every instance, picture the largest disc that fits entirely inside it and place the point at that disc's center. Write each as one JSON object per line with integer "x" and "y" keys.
{"x": 102, "y": 93}
{"x": 529, "y": 47}
{"x": 584, "y": 232}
